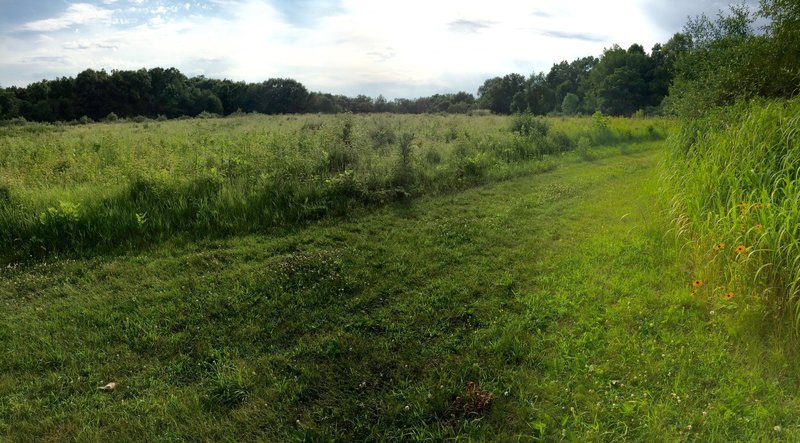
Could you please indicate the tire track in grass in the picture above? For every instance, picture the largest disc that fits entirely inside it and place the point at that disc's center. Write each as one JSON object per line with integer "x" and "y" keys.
{"x": 557, "y": 294}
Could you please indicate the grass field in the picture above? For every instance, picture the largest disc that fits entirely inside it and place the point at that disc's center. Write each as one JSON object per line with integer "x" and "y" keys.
{"x": 548, "y": 306}
{"x": 102, "y": 187}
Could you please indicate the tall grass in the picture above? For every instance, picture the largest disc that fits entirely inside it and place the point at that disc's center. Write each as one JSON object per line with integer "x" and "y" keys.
{"x": 735, "y": 175}
{"x": 97, "y": 186}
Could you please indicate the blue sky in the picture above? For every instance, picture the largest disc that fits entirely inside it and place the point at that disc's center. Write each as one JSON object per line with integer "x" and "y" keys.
{"x": 403, "y": 48}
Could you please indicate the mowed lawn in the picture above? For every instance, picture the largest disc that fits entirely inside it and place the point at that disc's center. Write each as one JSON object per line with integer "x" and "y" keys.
{"x": 550, "y": 307}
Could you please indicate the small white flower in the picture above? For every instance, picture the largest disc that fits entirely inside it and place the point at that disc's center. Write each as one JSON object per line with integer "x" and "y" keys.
{"x": 407, "y": 407}
{"x": 711, "y": 312}
{"x": 777, "y": 428}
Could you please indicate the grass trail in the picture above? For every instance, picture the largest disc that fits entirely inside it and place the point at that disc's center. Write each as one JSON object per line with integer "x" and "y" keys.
{"x": 546, "y": 307}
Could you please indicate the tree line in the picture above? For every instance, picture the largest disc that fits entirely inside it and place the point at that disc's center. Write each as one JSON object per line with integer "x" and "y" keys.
{"x": 158, "y": 92}
{"x": 709, "y": 63}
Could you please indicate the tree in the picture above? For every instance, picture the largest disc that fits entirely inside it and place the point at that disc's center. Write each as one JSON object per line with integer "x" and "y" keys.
{"x": 570, "y": 104}
{"x": 497, "y": 94}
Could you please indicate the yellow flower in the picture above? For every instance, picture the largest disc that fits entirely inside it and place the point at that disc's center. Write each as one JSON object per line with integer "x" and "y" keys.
{"x": 758, "y": 227}
{"x": 740, "y": 249}
{"x": 728, "y": 295}
{"x": 719, "y": 246}
{"x": 697, "y": 283}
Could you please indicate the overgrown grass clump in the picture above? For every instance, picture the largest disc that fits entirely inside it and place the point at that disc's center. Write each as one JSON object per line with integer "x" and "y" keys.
{"x": 100, "y": 186}
{"x": 735, "y": 173}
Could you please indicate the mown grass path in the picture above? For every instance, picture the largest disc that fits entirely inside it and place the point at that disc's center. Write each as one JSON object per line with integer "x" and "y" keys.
{"x": 546, "y": 307}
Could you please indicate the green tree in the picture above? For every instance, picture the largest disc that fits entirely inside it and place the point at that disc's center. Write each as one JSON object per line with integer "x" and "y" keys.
{"x": 570, "y": 104}
{"x": 497, "y": 94}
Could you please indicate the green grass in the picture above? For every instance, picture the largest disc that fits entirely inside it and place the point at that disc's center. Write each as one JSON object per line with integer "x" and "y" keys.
{"x": 734, "y": 175}
{"x": 543, "y": 307}
{"x": 101, "y": 187}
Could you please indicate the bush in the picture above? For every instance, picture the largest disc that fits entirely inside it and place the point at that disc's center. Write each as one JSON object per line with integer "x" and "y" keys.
{"x": 111, "y": 117}
{"x": 381, "y": 134}
{"x": 559, "y": 142}
{"x": 527, "y": 124}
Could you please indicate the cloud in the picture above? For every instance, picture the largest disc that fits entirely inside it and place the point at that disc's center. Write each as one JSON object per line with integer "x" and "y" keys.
{"x": 671, "y": 16}
{"x": 469, "y": 26}
{"x": 541, "y": 13}
{"x": 575, "y": 36}
{"x": 381, "y": 56}
{"x": 44, "y": 59}
{"x": 82, "y": 45}
{"x": 76, "y": 14}
{"x": 338, "y": 46}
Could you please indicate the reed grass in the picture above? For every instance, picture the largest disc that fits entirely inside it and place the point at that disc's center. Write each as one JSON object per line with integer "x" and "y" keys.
{"x": 734, "y": 173}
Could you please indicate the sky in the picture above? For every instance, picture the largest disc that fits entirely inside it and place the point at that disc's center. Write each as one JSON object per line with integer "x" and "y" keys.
{"x": 398, "y": 48}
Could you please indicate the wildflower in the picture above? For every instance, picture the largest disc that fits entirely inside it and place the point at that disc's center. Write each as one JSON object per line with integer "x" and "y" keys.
{"x": 728, "y": 295}
{"x": 719, "y": 246}
{"x": 697, "y": 283}
{"x": 740, "y": 249}
{"x": 758, "y": 227}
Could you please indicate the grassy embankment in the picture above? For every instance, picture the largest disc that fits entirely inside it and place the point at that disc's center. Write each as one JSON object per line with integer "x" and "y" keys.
{"x": 545, "y": 306}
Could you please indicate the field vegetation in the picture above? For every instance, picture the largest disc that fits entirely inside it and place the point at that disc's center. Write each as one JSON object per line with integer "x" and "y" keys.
{"x": 385, "y": 277}
{"x": 72, "y": 188}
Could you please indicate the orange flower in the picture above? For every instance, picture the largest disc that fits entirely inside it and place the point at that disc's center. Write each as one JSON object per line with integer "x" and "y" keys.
{"x": 697, "y": 283}
{"x": 740, "y": 249}
{"x": 728, "y": 295}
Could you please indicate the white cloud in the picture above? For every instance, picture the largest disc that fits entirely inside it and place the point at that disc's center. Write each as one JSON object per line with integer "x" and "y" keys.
{"x": 76, "y": 14}
{"x": 400, "y": 48}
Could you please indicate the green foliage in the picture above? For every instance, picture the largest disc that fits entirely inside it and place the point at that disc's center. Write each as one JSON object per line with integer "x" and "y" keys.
{"x": 570, "y": 104}
{"x": 548, "y": 306}
{"x": 5, "y": 195}
{"x": 727, "y": 61}
{"x": 735, "y": 175}
{"x": 133, "y": 184}
{"x": 526, "y": 124}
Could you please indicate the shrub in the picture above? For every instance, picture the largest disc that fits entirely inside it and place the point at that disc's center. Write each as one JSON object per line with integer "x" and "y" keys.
{"x": 529, "y": 125}
{"x": 559, "y": 142}
{"x": 381, "y": 134}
